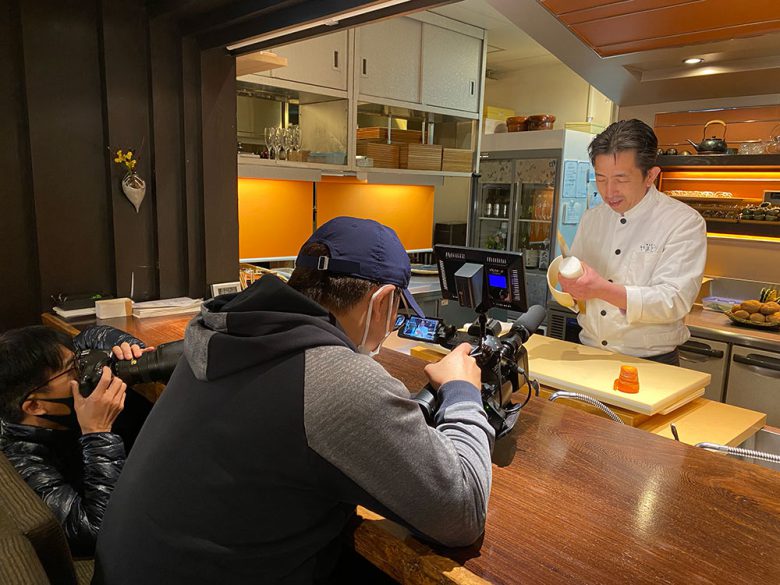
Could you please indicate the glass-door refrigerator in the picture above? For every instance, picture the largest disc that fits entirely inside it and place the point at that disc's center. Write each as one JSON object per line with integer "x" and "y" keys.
{"x": 527, "y": 190}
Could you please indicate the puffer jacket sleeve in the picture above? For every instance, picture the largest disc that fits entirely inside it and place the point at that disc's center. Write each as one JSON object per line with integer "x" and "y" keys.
{"x": 103, "y": 337}
{"x": 78, "y": 509}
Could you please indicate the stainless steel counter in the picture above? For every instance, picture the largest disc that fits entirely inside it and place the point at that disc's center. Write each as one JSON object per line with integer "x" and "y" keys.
{"x": 716, "y": 326}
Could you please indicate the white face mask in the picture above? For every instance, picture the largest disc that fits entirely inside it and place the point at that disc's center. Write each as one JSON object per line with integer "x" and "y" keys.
{"x": 388, "y": 324}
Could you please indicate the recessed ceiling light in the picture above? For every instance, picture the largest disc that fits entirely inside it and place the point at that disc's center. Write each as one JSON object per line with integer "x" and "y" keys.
{"x": 693, "y": 61}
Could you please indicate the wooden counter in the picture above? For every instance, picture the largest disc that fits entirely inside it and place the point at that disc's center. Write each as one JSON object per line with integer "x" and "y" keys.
{"x": 580, "y": 499}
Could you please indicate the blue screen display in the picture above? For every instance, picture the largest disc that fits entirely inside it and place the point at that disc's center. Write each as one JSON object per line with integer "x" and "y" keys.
{"x": 497, "y": 280}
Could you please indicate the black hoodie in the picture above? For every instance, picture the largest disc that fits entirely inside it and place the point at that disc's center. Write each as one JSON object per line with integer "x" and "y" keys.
{"x": 268, "y": 434}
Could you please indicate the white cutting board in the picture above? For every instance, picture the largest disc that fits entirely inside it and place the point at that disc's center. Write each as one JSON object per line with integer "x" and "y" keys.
{"x": 578, "y": 368}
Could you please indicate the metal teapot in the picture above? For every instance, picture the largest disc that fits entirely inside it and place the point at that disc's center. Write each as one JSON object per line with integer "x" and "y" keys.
{"x": 711, "y": 145}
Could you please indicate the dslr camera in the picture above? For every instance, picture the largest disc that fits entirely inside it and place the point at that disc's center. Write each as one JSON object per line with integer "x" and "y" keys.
{"x": 154, "y": 366}
{"x": 480, "y": 280}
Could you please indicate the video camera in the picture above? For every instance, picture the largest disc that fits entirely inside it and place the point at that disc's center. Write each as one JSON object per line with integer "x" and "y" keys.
{"x": 480, "y": 280}
{"x": 155, "y": 366}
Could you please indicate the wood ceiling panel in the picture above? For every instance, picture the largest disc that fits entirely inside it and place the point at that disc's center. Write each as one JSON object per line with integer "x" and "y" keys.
{"x": 614, "y": 9}
{"x": 566, "y": 6}
{"x": 617, "y": 28}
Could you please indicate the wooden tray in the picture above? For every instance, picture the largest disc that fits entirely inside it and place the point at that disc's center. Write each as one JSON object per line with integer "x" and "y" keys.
{"x": 747, "y": 323}
{"x": 459, "y": 160}
{"x": 424, "y": 157}
{"x": 385, "y": 156}
{"x": 378, "y": 134}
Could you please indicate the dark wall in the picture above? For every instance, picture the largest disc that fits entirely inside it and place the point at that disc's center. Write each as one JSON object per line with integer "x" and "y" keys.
{"x": 82, "y": 78}
{"x": 79, "y": 80}
{"x": 19, "y": 273}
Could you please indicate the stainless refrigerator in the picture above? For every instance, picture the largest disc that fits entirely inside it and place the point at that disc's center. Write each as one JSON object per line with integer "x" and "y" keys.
{"x": 529, "y": 187}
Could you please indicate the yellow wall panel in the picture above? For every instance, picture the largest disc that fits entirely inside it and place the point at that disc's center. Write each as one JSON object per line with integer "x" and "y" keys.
{"x": 274, "y": 217}
{"x": 408, "y": 209}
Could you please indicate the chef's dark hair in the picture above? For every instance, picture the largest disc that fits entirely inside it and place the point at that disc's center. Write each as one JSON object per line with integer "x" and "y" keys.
{"x": 627, "y": 135}
{"x": 28, "y": 357}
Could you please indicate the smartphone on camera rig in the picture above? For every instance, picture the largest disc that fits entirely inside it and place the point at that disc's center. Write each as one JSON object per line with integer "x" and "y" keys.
{"x": 480, "y": 280}
{"x": 155, "y": 366}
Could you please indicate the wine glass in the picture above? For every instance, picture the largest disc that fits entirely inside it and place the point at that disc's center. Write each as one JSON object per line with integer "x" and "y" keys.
{"x": 296, "y": 138}
{"x": 276, "y": 141}
{"x": 284, "y": 140}
{"x": 267, "y": 133}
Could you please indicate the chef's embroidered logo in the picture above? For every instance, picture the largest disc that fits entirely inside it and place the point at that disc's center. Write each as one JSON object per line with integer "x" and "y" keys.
{"x": 648, "y": 248}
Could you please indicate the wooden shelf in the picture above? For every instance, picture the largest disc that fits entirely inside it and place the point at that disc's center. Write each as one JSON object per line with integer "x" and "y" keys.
{"x": 732, "y": 161}
{"x": 745, "y": 227}
{"x": 258, "y": 62}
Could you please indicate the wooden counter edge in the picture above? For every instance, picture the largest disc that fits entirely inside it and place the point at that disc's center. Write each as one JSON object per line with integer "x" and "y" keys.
{"x": 54, "y": 322}
{"x": 391, "y": 548}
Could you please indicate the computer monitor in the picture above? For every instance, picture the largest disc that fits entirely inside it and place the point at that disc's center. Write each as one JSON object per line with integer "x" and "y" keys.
{"x": 482, "y": 279}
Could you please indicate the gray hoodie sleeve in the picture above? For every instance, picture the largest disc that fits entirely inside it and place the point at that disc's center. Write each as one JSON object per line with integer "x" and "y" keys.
{"x": 362, "y": 421}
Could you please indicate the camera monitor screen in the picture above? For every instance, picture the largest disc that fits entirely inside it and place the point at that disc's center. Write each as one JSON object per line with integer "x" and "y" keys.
{"x": 503, "y": 278}
{"x": 420, "y": 329}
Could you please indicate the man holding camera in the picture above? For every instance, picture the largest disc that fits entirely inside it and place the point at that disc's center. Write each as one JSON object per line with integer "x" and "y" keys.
{"x": 278, "y": 424}
{"x": 59, "y": 441}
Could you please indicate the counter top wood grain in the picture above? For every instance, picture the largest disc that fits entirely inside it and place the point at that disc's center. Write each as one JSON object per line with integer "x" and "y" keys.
{"x": 580, "y": 499}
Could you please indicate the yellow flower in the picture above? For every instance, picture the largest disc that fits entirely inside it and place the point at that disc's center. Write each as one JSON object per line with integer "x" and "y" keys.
{"x": 129, "y": 155}
{"x": 117, "y": 160}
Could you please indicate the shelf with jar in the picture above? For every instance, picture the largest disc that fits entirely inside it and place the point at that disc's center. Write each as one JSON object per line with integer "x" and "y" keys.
{"x": 725, "y": 193}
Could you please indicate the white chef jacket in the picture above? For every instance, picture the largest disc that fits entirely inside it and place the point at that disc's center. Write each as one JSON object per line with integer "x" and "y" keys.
{"x": 657, "y": 250}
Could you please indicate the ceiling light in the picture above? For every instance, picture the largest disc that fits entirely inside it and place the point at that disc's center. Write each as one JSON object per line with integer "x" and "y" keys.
{"x": 693, "y": 61}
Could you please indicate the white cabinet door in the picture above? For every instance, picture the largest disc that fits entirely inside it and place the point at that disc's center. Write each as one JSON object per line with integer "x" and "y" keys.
{"x": 388, "y": 59}
{"x": 452, "y": 68}
{"x": 319, "y": 61}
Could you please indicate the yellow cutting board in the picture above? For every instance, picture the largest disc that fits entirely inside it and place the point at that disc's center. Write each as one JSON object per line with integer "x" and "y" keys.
{"x": 579, "y": 368}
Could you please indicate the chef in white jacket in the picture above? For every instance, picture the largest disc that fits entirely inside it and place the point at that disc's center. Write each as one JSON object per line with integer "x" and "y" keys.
{"x": 642, "y": 252}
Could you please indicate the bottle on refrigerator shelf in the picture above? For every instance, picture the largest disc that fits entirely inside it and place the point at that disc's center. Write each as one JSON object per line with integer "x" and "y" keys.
{"x": 544, "y": 255}
{"x": 488, "y": 211}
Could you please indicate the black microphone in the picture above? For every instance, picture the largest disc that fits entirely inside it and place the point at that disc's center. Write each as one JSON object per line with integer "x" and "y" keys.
{"x": 523, "y": 327}
{"x": 528, "y": 322}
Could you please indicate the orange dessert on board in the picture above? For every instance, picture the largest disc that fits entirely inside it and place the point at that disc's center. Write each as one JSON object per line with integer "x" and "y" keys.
{"x": 628, "y": 381}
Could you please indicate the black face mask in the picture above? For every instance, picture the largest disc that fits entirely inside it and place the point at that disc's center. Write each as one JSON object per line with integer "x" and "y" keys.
{"x": 70, "y": 420}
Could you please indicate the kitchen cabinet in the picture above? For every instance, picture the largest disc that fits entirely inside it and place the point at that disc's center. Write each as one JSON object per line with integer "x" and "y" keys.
{"x": 451, "y": 69}
{"x": 754, "y": 381}
{"x": 319, "y": 61}
{"x": 711, "y": 357}
{"x": 388, "y": 59}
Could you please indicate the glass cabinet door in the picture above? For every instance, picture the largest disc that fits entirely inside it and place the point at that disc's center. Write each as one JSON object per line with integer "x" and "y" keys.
{"x": 493, "y": 216}
{"x": 533, "y": 223}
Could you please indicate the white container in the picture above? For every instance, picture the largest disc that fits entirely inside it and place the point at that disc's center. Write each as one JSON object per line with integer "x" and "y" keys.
{"x": 111, "y": 308}
{"x": 570, "y": 267}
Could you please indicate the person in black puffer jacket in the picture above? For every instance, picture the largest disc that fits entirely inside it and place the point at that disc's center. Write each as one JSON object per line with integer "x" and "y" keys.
{"x": 68, "y": 448}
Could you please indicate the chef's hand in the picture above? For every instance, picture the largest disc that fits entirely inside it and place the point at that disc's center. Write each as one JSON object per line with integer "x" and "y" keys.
{"x": 591, "y": 285}
{"x": 125, "y": 351}
{"x": 588, "y": 286}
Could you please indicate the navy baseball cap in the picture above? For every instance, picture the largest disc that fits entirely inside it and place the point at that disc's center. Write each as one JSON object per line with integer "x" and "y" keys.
{"x": 362, "y": 248}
